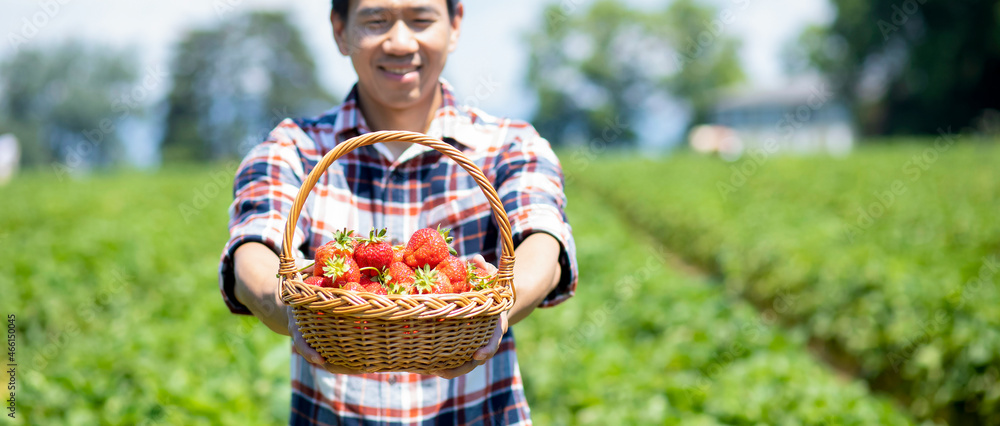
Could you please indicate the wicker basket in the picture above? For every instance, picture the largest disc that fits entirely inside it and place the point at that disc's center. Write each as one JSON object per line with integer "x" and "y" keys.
{"x": 369, "y": 332}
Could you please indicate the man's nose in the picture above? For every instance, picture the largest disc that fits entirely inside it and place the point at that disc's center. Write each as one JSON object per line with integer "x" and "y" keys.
{"x": 401, "y": 40}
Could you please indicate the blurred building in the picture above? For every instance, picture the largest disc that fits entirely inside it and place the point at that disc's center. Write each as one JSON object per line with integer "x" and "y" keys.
{"x": 10, "y": 157}
{"x": 801, "y": 117}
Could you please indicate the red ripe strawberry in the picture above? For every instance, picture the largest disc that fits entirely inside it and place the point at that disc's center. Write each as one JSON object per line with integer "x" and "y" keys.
{"x": 478, "y": 278}
{"x": 317, "y": 281}
{"x": 342, "y": 245}
{"x": 429, "y": 281}
{"x": 354, "y": 287}
{"x": 341, "y": 270}
{"x": 399, "y": 278}
{"x": 397, "y": 253}
{"x": 373, "y": 252}
{"x": 455, "y": 269}
{"x": 372, "y": 285}
{"x": 427, "y": 246}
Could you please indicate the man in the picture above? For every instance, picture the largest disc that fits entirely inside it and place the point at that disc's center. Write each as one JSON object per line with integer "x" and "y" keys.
{"x": 399, "y": 48}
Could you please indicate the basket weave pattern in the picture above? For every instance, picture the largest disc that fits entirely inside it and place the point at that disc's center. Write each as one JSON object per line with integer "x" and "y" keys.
{"x": 369, "y": 332}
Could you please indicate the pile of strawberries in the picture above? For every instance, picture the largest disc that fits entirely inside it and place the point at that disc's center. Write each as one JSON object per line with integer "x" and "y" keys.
{"x": 425, "y": 265}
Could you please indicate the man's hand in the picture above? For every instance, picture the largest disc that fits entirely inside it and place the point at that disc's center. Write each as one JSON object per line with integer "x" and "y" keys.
{"x": 486, "y": 352}
{"x": 310, "y": 354}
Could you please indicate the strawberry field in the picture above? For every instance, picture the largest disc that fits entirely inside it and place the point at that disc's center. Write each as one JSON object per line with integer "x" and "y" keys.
{"x": 888, "y": 260}
{"x": 799, "y": 308}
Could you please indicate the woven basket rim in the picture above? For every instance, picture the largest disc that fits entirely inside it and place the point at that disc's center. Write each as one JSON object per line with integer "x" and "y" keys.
{"x": 340, "y": 302}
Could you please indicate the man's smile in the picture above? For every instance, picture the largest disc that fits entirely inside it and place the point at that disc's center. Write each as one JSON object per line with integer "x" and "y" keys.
{"x": 401, "y": 70}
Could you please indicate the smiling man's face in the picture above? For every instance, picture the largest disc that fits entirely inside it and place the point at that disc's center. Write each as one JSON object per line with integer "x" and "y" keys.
{"x": 398, "y": 47}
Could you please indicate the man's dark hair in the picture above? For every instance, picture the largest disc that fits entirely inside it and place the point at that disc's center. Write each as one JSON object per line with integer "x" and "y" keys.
{"x": 340, "y": 7}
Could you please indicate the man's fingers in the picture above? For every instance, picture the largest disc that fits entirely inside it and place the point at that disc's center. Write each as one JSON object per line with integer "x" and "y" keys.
{"x": 492, "y": 345}
{"x": 307, "y": 352}
{"x": 457, "y": 371}
{"x": 300, "y": 345}
{"x": 482, "y": 263}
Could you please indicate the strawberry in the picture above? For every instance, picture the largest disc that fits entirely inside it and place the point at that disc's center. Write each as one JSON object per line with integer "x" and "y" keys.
{"x": 372, "y": 285}
{"x": 317, "y": 281}
{"x": 478, "y": 278}
{"x": 352, "y": 286}
{"x": 341, "y": 270}
{"x": 373, "y": 252}
{"x": 397, "y": 253}
{"x": 342, "y": 245}
{"x": 427, "y": 246}
{"x": 455, "y": 269}
{"x": 429, "y": 281}
{"x": 399, "y": 278}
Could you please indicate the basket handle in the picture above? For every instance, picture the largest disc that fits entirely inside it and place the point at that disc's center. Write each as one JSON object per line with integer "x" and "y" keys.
{"x": 505, "y": 273}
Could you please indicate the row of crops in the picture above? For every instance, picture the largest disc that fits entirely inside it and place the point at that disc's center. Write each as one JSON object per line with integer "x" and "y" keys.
{"x": 112, "y": 279}
{"x": 642, "y": 343}
{"x": 888, "y": 259}
{"x": 119, "y": 319}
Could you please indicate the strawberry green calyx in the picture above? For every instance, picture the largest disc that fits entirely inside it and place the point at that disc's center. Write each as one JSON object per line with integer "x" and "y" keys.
{"x": 344, "y": 239}
{"x": 447, "y": 239}
{"x": 485, "y": 284}
{"x": 397, "y": 288}
{"x": 335, "y": 267}
{"x": 478, "y": 277}
{"x": 444, "y": 234}
{"x": 375, "y": 237}
{"x": 426, "y": 278}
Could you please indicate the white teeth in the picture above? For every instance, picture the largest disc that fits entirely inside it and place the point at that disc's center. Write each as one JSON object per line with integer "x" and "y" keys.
{"x": 399, "y": 70}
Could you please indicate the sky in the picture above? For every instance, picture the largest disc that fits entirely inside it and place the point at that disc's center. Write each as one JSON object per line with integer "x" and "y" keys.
{"x": 488, "y": 68}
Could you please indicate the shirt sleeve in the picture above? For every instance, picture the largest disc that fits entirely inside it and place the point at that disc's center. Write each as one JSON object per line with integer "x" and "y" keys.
{"x": 530, "y": 185}
{"x": 264, "y": 190}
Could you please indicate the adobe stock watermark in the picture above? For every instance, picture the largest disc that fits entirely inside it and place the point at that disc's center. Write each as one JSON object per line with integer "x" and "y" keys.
{"x": 252, "y": 139}
{"x": 928, "y": 329}
{"x": 123, "y": 107}
{"x": 225, "y": 7}
{"x": 900, "y": 16}
{"x": 988, "y": 269}
{"x": 31, "y": 26}
{"x": 563, "y": 12}
{"x": 750, "y": 332}
{"x": 695, "y": 46}
{"x": 486, "y": 86}
{"x": 625, "y": 288}
{"x": 785, "y": 127}
{"x": 914, "y": 168}
{"x": 236, "y": 340}
{"x": 221, "y": 181}
{"x": 582, "y": 157}
{"x": 88, "y": 311}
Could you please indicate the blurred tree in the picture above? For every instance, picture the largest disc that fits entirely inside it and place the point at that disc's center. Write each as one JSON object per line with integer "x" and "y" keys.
{"x": 66, "y": 103}
{"x": 910, "y": 66}
{"x": 234, "y": 82}
{"x": 603, "y": 67}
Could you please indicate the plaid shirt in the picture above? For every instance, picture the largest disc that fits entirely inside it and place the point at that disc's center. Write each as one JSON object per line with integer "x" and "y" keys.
{"x": 422, "y": 188}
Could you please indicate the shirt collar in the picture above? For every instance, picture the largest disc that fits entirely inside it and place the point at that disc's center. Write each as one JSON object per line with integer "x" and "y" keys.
{"x": 451, "y": 121}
